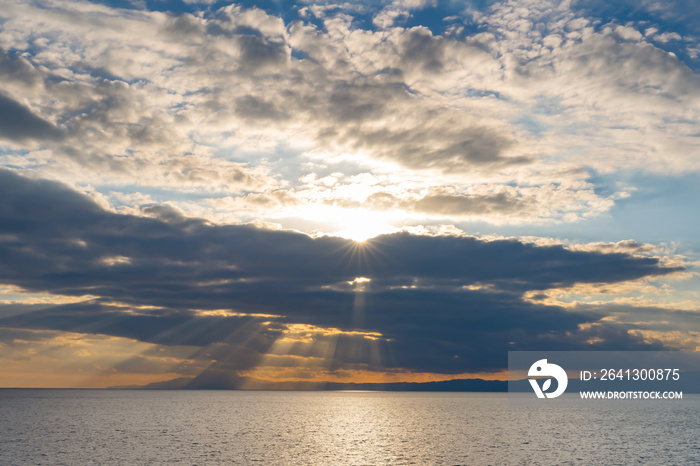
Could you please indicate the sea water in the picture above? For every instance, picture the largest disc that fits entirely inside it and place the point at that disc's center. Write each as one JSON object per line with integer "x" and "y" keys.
{"x": 124, "y": 427}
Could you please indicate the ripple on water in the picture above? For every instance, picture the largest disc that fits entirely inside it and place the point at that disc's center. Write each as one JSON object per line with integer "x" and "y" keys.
{"x": 257, "y": 427}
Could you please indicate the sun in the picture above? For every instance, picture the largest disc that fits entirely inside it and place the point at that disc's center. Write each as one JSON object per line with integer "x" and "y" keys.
{"x": 354, "y": 223}
{"x": 362, "y": 232}
{"x": 361, "y": 224}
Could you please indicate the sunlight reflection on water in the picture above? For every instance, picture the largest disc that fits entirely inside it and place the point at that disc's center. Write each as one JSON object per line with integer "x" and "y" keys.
{"x": 258, "y": 427}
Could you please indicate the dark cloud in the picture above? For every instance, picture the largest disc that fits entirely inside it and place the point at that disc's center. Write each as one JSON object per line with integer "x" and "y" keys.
{"x": 362, "y": 101}
{"x": 441, "y": 201}
{"x": 418, "y": 47}
{"x": 18, "y": 69}
{"x": 670, "y": 324}
{"x": 439, "y": 143}
{"x": 80, "y": 252}
{"x": 11, "y": 337}
{"x": 261, "y": 54}
{"x": 12, "y": 309}
{"x": 355, "y": 110}
{"x": 272, "y": 199}
{"x": 184, "y": 25}
{"x": 160, "y": 326}
{"x": 259, "y": 51}
{"x": 19, "y": 123}
{"x": 255, "y": 108}
{"x": 453, "y": 204}
{"x": 437, "y": 301}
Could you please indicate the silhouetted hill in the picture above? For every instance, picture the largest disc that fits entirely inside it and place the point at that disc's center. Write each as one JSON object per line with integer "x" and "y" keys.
{"x": 237, "y": 383}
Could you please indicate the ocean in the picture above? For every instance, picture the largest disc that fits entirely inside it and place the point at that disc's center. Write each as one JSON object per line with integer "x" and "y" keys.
{"x": 125, "y": 427}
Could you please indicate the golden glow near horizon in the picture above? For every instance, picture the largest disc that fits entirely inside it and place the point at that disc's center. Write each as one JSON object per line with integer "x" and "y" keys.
{"x": 301, "y": 192}
{"x": 54, "y": 359}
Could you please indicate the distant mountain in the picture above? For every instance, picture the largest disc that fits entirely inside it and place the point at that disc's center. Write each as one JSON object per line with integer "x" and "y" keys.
{"x": 689, "y": 383}
{"x": 238, "y": 383}
{"x": 174, "y": 384}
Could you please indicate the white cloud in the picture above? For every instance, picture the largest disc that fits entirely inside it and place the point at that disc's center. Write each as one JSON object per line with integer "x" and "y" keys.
{"x": 500, "y": 126}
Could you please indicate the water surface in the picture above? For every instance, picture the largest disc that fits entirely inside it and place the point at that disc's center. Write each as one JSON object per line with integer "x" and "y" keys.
{"x": 85, "y": 427}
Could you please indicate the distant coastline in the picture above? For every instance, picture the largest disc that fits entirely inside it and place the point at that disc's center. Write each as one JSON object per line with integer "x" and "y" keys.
{"x": 460, "y": 385}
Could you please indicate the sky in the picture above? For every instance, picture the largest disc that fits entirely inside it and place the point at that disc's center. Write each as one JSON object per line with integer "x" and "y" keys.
{"x": 239, "y": 195}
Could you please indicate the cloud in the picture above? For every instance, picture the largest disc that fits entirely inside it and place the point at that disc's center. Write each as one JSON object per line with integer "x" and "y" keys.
{"x": 468, "y": 205}
{"x": 239, "y": 101}
{"x": 434, "y": 301}
{"x": 139, "y": 102}
{"x": 600, "y": 74}
{"x": 19, "y": 123}
{"x": 90, "y": 235}
{"x": 365, "y": 115}
{"x": 257, "y": 109}
{"x": 38, "y": 358}
{"x": 18, "y": 69}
